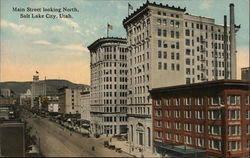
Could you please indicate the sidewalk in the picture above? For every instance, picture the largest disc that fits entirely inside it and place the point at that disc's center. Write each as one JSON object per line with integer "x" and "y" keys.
{"x": 125, "y": 148}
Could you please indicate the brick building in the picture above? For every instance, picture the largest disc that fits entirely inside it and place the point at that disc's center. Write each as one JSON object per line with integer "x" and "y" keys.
{"x": 211, "y": 117}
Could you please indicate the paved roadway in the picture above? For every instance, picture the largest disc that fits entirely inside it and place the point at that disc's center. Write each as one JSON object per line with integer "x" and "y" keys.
{"x": 56, "y": 141}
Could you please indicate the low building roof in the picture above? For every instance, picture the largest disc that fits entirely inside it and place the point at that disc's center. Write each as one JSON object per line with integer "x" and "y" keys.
{"x": 216, "y": 83}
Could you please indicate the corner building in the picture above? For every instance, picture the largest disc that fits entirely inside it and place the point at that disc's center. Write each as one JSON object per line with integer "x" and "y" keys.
{"x": 108, "y": 96}
{"x": 166, "y": 47}
{"x": 210, "y": 117}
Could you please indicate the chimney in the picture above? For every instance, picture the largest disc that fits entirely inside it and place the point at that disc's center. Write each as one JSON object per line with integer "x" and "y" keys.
{"x": 225, "y": 48}
{"x": 233, "y": 65}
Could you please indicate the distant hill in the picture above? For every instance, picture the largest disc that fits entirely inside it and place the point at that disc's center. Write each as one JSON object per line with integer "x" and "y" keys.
{"x": 51, "y": 86}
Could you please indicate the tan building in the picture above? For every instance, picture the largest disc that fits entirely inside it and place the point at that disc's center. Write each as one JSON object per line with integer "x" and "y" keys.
{"x": 85, "y": 105}
{"x": 245, "y": 73}
{"x": 69, "y": 100}
{"x": 108, "y": 95}
{"x": 166, "y": 47}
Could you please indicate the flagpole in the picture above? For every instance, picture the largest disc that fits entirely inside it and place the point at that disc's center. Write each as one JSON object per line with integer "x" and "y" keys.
{"x": 107, "y": 30}
{"x": 128, "y": 9}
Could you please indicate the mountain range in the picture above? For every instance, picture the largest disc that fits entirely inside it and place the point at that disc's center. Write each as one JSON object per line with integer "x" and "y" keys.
{"x": 51, "y": 86}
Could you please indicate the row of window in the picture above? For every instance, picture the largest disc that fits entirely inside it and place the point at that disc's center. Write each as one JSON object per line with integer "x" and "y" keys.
{"x": 173, "y": 34}
{"x": 139, "y": 58}
{"x": 164, "y": 55}
{"x": 168, "y": 14}
{"x": 139, "y": 110}
{"x": 172, "y": 23}
{"x": 109, "y": 79}
{"x": 164, "y": 66}
{"x": 109, "y": 57}
{"x": 109, "y": 94}
{"x": 109, "y": 86}
{"x": 215, "y": 100}
{"x": 115, "y": 119}
{"x": 163, "y": 44}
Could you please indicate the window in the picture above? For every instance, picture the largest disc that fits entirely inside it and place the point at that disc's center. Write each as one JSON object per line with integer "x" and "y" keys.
{"x": 158, "y": 134}
{"x": 199, "y": 115}
{"x": 177, "y": 56}
{"x": 188, "y": 127}
{"x": 159, "y": 65}
{"x": 159, "y": 32}
{"x": 216, "y": 100}
{"x": 188, "y": 139}
{"x": 199, "y": 101}
{"x": 178, "y": 67}
{"x": 214, "y": 114}
{"x": 187, "y": 42}
{"x": 187, "y": 101}
{"x": 158, "y": 113}
{"x": 188, "y": 51}
{"x": 214, "y": 144}
{"x": 200, "y": 142}
{"x": 214, "y": 130}
{"x": 234, "y": 130}
{"x": 165, "y": 55}
{"x": 187, "y": 32}
{"x": 187, "y": 61}
{"x": 158, "y": 102}
{"x": 158, "y": 123}
{"x": 172, "y": 66}
{"x": 188, "y": 114}
{"x": 159, "y": 54}
{"x": 199, "y": 128}
{"x": 172, "y": 23}
{"x": 159, "y": 21}
{"x": 159, "y": 43}
{"x": 233, "y": 100}
{"x": 164, "y": 22}
{"x": 172, "y": 34}
{"x": 248, "y": 115}
{"x": 247, "y": 100}
{"x": 164, "y": 33}
{"x": 165, "y": 66}
{"x": 172, "y": 55}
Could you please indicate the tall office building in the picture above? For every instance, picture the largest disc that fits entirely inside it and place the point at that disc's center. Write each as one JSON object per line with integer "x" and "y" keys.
{"x": 166, "y": 47}
{"x": 108, "y": 95}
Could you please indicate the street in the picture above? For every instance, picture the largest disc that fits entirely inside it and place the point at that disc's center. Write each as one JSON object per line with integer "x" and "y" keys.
{"x": 56, "y": 141}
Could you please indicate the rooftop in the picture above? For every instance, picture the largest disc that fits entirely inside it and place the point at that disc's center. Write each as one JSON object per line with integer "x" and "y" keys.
{"x": 100, "y": 41}
{"x": 209, "y": 84}
{"x": 145, "y": 5}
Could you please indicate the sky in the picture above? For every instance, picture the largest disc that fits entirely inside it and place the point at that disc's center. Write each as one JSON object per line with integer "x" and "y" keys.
{"x": 57, "y": 48}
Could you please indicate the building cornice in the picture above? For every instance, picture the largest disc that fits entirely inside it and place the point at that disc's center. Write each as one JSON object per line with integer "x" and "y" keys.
{"x": 209, "y": 84}
{"x": 103, "y": 40}
{"x": 147, "y": 4}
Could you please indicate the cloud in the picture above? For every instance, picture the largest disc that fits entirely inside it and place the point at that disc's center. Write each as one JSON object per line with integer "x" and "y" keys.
{"x": 78, "y": 47}
{"x": 72, "y": 24}
{"x": 20, "y": 28}
{"x": 57, "y": 28}
{"x": 42, "y": 42}
{"x": 206, "y": 4}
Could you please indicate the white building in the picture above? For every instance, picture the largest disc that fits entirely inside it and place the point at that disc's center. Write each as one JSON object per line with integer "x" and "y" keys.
{"x": 85, "y": 105}
{"x": 69, "y": 100}
{"x": 166, "y": 47}
{"x": 108, "y": 86}
{"x": 5, "y": 92}
{"x": 25, "y": 98}
{"x": 38, "y": 89}
{"x": 53, "y": 103}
